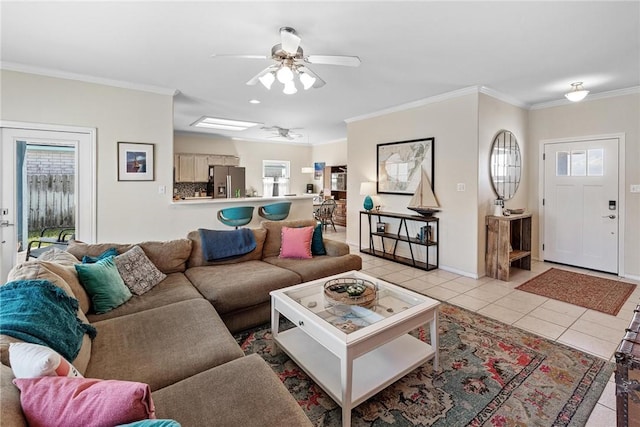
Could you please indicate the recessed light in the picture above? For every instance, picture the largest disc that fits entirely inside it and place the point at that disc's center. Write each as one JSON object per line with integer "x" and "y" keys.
{"x": 254, "y": 101}
{"x": 224, "y": 124}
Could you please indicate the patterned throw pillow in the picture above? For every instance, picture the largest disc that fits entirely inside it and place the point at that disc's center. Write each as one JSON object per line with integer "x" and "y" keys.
{"x": 137, "y": 271}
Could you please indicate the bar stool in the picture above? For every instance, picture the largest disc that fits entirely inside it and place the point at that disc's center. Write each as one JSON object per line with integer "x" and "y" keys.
{"x": 236, "y": 217}
{"x": 275, "y": 211}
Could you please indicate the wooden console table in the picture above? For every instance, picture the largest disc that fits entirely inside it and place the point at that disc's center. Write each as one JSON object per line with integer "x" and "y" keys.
{"x": 429, "y": 239}
{"x": 508, "y": 243}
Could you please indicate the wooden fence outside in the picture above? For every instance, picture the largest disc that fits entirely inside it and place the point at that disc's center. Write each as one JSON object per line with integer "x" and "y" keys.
{"x": 50, "y": 201}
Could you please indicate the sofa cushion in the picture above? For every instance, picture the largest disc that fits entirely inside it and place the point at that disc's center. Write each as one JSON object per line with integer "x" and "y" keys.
{"x": 163, "y": 345}
{"x": 34, "y": 360}
{"x": 169, "y": 256}
{"x": 317, "y": 243}
{"x": 69, "y": 274}
{"x": 58, "y": 256}
{"x": 137, "y": 271}
{"x": 11, "y": 414}
{"x": 296, "y": 242}
{"x": 196, "y": 259}
{"x": 49, "y": 401}
{"x": 318, "y": 267}
{"x": 273, "y": 241}
{"x": 244, "y": 392}
{"x": 104, "y": 284}
{"x": 234, "y": 286}
{"x": 175, "y": 288}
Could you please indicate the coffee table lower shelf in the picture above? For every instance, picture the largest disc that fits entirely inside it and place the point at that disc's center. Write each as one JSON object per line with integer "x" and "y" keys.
{"x": 372, "y": 372}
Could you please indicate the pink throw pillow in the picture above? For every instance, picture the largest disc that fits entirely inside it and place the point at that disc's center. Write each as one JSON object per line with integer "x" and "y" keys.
{"x": 49, "y": 401}
{"x": 296, "y": 242}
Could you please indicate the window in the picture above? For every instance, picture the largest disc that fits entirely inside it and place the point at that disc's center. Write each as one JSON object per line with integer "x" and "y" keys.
{"x": 580, "y": 162}
{"x": 275, "y": 177}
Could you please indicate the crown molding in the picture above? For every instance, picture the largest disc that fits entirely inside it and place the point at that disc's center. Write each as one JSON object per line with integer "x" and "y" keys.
{"x": 591, "y": 97}
{"x": 504, "y": 97}
{"x": 49, "y": 72}
{"x": 415, "y": 104}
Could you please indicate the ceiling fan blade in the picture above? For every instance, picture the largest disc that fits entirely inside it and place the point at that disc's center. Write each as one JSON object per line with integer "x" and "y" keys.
{"x": 255, "y": 78}
{"x": 289, "y": 40}
{"x": 319, "y": 82}
{"x": 215, "y": 55}
{"x": 347, "y": 61}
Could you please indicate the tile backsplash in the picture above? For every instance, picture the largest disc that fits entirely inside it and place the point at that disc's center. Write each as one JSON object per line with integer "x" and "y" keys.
{"x": 188, "y": 189}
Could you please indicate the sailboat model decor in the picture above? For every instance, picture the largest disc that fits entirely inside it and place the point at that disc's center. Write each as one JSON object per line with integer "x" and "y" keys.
{"x": 424, "y": 201}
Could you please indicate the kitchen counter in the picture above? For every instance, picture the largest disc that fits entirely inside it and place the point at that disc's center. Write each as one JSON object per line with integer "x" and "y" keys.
{"x": 249, "y": 200}
{"x": 202, "y": 212}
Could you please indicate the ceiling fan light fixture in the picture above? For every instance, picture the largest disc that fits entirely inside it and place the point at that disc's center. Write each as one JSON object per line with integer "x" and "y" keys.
{"x": 577, "y": 93}
{"x": 284, "y": 74}
{"x": 307, "y": 80}
{"x": 267, "y": 80}
{"x": 290, "y": 88}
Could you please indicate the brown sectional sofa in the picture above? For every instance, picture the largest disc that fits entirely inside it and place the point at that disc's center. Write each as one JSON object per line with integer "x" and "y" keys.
{"x": 177, "y": 336}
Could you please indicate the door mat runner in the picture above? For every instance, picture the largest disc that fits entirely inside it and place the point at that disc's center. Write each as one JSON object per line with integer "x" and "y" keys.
{"x": 491, "y": 374}
{"x": 595, "y": 293}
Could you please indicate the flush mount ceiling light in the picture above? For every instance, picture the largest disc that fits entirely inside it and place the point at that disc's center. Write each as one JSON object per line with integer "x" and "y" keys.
{"x": 577, "y": 93}
{"x": 289, "y": 67}
{"x": 222, "y": 124}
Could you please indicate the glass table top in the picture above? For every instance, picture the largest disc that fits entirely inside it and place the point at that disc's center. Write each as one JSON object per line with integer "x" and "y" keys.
{"x": 330, "y": 300}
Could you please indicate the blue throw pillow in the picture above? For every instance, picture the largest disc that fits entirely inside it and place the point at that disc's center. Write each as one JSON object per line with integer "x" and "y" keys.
{"x": 106, "y": 254}
{"x": 317, "y": 245}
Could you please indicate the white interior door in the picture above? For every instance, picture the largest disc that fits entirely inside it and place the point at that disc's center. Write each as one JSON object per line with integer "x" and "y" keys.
{"x": 85, "y": 201}
{"x": 581, "y": 206}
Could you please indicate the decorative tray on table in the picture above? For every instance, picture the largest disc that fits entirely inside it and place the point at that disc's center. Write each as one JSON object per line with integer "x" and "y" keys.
{"x": 350, "y": 291}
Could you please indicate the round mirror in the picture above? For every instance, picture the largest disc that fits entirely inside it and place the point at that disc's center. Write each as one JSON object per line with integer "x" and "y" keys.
{"x": 506, "y": 164}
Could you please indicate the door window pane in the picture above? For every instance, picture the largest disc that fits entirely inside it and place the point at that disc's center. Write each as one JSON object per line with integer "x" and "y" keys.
{"x": 595, "y": 159}
{"x": 562, "y": 163}
{"x": 578, "y": 163}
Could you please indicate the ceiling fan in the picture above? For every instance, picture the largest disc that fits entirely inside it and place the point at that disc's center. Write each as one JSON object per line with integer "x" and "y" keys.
{"x": 279, "y": 132}
{"x": 290, "y": 62}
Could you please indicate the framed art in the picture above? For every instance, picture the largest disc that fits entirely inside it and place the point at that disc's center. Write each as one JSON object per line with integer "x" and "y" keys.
{"x": 399, "y": 165}
{"x": 318, "y": 170}
{"x": 135, "y": 161}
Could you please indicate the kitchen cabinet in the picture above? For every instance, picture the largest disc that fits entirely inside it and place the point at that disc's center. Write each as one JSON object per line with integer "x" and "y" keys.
{"x": 195, "y": 167}
{"x": 508, "y": 244}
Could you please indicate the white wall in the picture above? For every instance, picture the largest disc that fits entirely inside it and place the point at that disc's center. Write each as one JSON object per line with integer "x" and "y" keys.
{"x": 496, "y": 115}
{"x": 454, "y": 125}
{"x": 251, "y": 154}
{"x": 619, "y": 114}
{"x": 127, "y": 211}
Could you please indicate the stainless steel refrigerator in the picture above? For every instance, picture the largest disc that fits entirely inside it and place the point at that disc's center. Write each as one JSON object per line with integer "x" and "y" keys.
{"x": 226, "y": 182}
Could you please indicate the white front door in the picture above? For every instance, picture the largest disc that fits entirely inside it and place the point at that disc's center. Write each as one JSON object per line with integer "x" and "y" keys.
{"x": 85, "y": 202}
{"x": 581, "y": 205}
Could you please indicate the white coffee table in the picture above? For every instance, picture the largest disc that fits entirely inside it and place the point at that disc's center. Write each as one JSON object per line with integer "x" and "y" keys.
{"x": 372, "y": 351}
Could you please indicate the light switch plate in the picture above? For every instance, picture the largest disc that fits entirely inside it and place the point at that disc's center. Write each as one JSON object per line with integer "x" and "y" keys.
{"x": 162, "y": 189}
{"x": 635, "y": 188}
{"x": 461, "y": 186}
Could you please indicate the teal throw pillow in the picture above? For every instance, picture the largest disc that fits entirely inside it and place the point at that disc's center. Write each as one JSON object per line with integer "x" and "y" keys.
{"x": 152, "y": 423}
{"x": 317, "y": 245}
{"x": 93, "y": 259}
{"x": 103, "y": 284}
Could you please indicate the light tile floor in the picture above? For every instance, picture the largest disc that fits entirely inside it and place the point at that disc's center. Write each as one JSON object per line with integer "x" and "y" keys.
{"x": 587, "y": 330}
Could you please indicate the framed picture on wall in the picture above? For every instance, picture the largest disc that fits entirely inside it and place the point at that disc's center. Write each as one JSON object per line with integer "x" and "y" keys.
{"x": 135, "y": 161}
{"x": 318, "y": 170}
{"x": 399, "y": 165}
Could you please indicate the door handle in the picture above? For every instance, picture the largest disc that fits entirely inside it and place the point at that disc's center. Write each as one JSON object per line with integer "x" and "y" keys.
{"x": 5, "y": 223}
{"x": 612, "y": 216}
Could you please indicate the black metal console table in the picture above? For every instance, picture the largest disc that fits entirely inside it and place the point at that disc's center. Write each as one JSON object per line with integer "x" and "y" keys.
{"x": 427, "y": 237}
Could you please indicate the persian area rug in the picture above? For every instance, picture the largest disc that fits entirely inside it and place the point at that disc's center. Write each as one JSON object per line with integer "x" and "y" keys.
{"x": 596, "y": 293}
{"x": 491, "y": 374}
